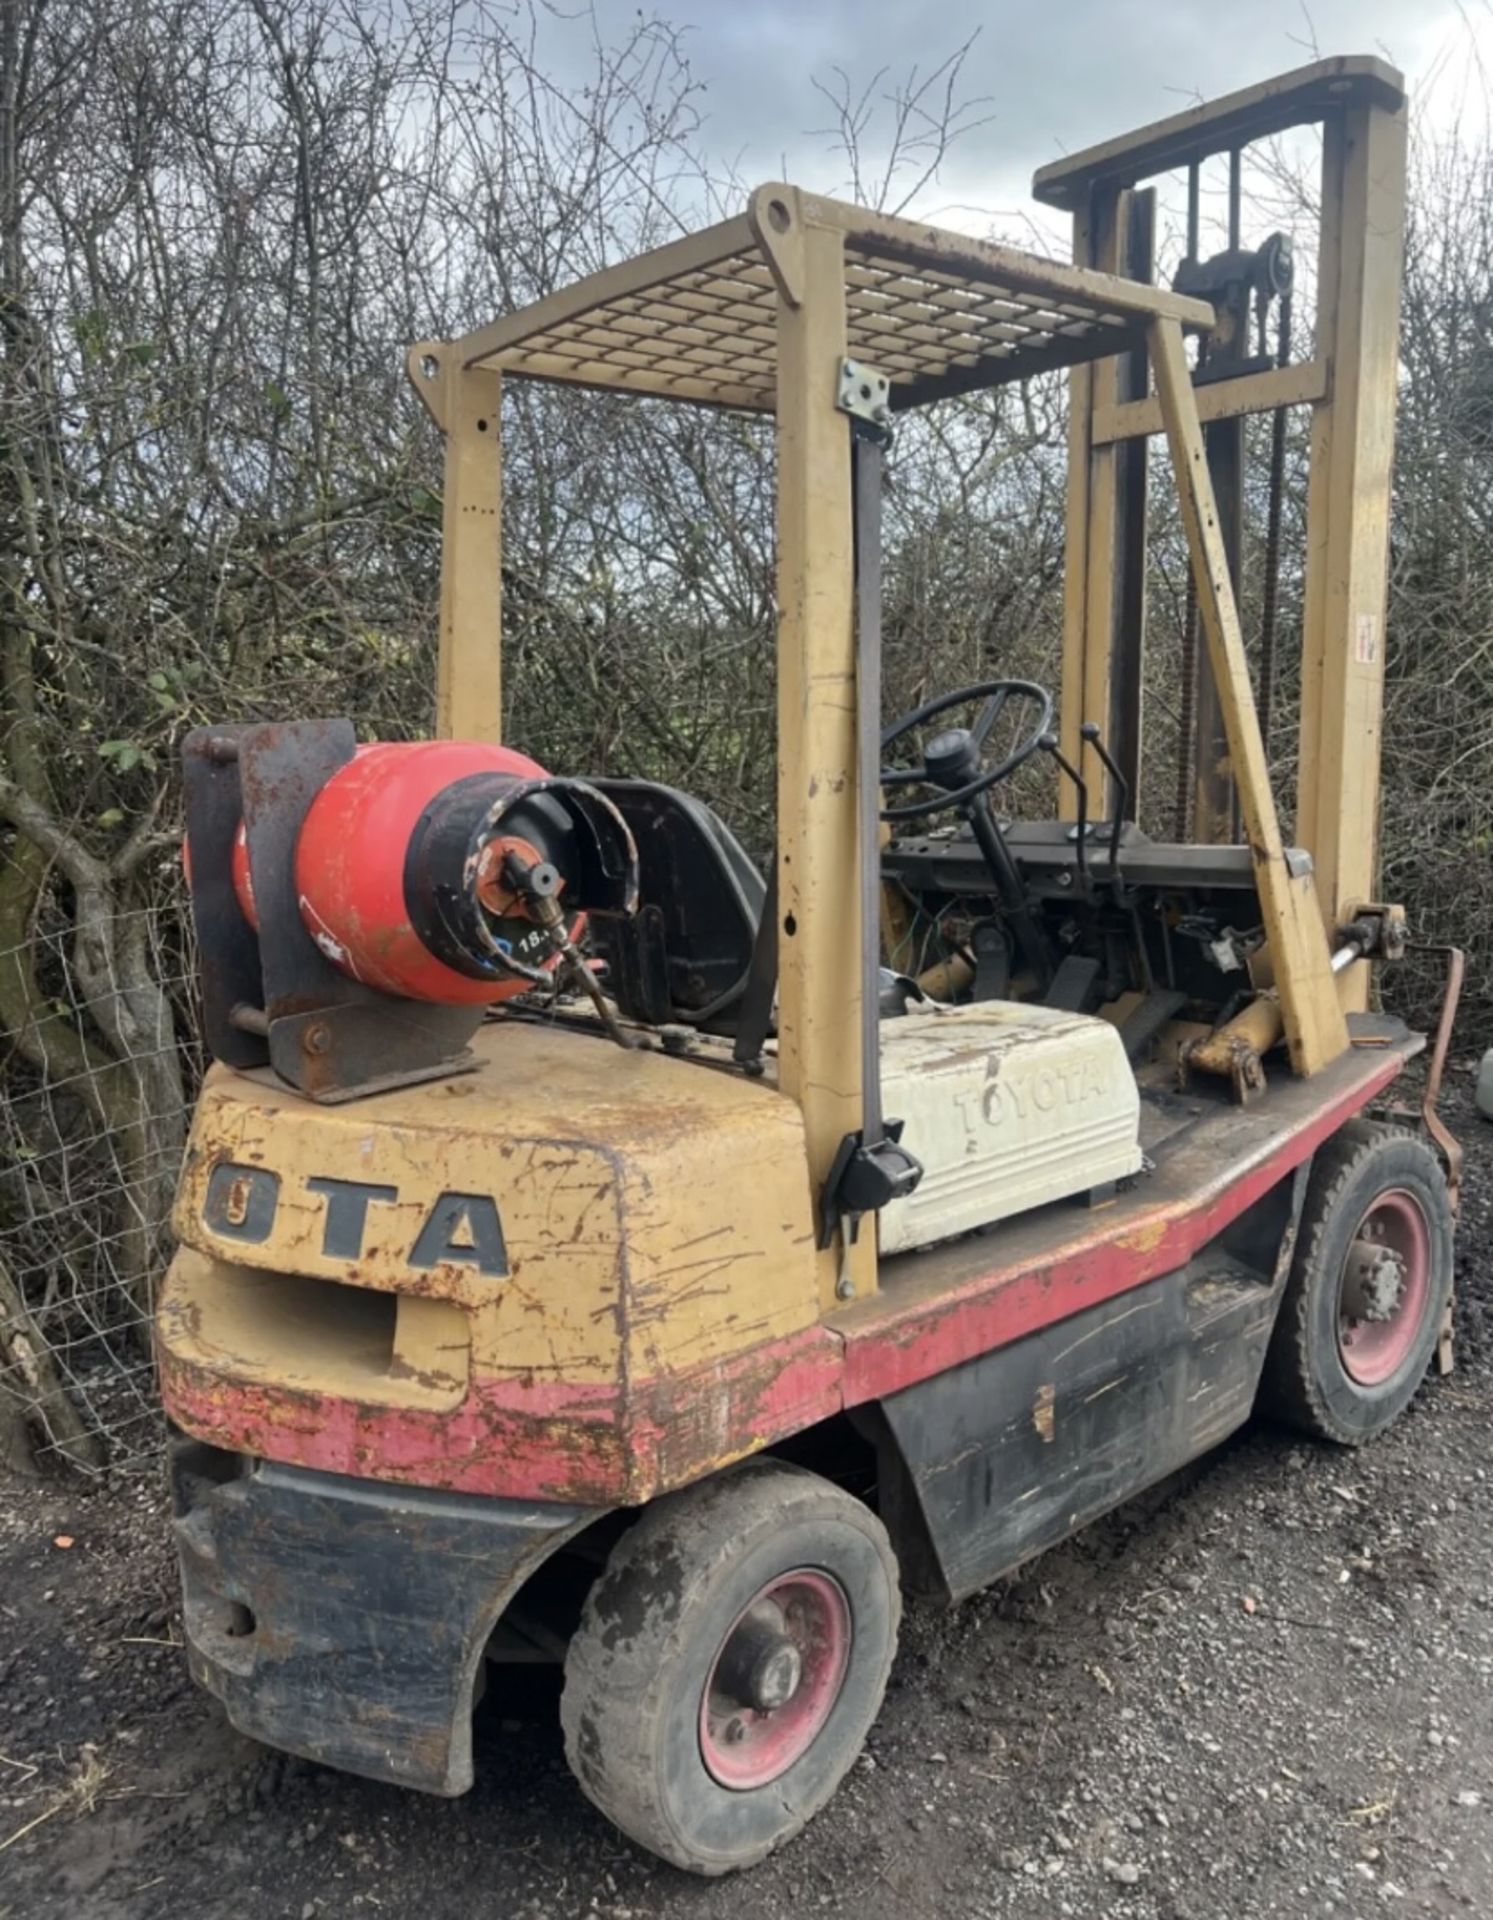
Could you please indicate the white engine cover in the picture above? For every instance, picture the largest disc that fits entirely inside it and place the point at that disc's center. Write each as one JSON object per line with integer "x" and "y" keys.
{"x": 1008, "y": 1106}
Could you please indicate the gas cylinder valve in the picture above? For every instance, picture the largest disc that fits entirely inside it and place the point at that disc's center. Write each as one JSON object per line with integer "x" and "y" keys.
{"x": 538, "y": 885}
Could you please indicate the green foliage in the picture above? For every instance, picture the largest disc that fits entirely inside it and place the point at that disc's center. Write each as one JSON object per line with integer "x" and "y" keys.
{"x": 126, "y": 755}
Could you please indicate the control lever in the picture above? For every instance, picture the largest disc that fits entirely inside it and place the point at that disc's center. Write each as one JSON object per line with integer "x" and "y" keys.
{"x": 1089, "y": 731}
{"x": 1049, "y": 744}
{"x": 1125, "y": 900}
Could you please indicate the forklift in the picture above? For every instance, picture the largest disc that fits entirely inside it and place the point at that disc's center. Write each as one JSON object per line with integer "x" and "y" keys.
{"x": 596, "y": 1250}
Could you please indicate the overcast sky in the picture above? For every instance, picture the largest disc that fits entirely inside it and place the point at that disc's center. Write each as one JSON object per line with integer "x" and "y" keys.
{"x": 1056, "y": 76}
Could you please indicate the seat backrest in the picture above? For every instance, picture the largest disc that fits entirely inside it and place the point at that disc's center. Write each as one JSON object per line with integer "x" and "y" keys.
{"x": 685, "y": 955}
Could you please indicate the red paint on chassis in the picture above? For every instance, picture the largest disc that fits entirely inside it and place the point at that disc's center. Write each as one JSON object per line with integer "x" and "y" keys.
{"x": 616, "y": 1443}
{"x": 596, "y": 1443}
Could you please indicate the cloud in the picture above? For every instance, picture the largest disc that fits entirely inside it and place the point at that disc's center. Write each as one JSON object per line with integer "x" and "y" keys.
{"x": 1056, "y": 77}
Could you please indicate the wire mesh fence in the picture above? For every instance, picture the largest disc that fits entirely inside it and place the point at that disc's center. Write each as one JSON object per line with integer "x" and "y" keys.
{"x": 93, "y": 1118}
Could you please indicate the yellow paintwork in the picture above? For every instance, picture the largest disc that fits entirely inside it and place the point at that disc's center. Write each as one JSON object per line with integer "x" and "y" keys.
{"x": 1300, "y": 958}
{"x": 1350, "y": 384}
{"x": 659, "y": 1216}
{"x": 466, "y": 403}
{"x": 819, "y": 879}
{"x": 786, "y": 298}
{"x": 656, "y": 1216}
{"x": 1347, "y": 512}
{"x": 279, "y": 1330}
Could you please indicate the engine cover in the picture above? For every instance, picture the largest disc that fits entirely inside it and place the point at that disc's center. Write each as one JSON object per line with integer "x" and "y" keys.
{"x": 1008, "y": 1106}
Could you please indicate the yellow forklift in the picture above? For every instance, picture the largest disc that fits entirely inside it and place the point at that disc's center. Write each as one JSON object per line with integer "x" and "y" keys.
{"x": 591, "y": 1251}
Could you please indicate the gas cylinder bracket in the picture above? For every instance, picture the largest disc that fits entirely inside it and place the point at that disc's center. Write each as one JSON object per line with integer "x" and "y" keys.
{"x": 271, "y": 996}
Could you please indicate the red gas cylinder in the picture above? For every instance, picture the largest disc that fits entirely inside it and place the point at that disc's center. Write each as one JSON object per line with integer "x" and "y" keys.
{"x": 415, "y": 864}
{"x": 243, "y": 880}
{"x": 398, "y": 882}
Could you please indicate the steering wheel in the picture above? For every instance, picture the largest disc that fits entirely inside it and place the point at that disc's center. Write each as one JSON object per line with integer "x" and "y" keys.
{"x": 951, "y": 759}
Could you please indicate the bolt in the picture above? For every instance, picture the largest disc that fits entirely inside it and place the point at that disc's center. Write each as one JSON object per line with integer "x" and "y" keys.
{"x": 845, "y": 1288}
{"x": 316, "y": 1039}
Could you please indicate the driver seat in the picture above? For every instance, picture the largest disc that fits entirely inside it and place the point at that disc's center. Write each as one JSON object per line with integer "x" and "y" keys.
{"x": 684, "y": 957}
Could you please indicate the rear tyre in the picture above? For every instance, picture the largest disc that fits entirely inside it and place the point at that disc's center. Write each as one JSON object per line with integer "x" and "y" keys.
{"x": 1369, "y": 1285}
{"x": 729, "y": 1663}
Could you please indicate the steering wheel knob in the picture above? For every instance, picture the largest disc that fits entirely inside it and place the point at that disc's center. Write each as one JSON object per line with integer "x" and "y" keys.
{"x": 951, "y": 759}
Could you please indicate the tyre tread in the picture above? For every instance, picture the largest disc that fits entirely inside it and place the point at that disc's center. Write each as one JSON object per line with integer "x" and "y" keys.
{"x": 1289, "y": 1387}
{"x": 612, "y": 1704}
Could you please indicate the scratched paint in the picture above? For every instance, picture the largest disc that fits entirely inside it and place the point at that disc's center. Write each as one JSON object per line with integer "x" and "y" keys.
{"x": 659, "y": 1320}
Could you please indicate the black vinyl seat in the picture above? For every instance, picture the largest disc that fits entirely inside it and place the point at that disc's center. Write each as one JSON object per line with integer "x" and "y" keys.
{"x": 685, "y": 955}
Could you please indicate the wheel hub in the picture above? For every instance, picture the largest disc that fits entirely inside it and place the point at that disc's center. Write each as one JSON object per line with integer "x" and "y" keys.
{"x": 761, "y": 1666}
{"x": 1374, "y": 1282}
{"x": 776, "y": 1679}
{"x": 1383, "y": 1289}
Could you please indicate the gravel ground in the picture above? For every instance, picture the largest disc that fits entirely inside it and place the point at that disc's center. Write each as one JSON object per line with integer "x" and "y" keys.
{"x": 1264, "y": 1689}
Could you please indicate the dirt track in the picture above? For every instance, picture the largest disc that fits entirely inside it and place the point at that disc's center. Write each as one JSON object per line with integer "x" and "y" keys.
{"x": 1266, "y": 1689}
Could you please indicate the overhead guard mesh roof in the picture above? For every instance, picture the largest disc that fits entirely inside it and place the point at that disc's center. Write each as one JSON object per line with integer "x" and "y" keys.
{"x": 936, "y": 312}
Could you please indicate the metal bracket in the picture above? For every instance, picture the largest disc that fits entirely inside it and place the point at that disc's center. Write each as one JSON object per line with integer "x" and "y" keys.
{"x": 271, "y": 993}
{"x": 1378, "y": 929}
{"x": 1451, "y": 1148}
{"x": 866, "y": 1175}
{"x": 866, "y": 395}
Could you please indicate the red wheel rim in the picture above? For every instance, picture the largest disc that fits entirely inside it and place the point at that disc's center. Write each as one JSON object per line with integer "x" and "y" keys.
{"x": 1383, "y": 1288}
{"x": 797, "y": 1626}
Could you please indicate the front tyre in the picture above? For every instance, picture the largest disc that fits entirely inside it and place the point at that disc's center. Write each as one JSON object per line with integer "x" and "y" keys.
{"x": 729, "y": 1663}
{"x": 1369, "y": 1286}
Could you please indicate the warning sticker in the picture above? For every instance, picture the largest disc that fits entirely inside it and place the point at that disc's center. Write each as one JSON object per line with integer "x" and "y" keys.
{"x": 1366, "y": 642}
